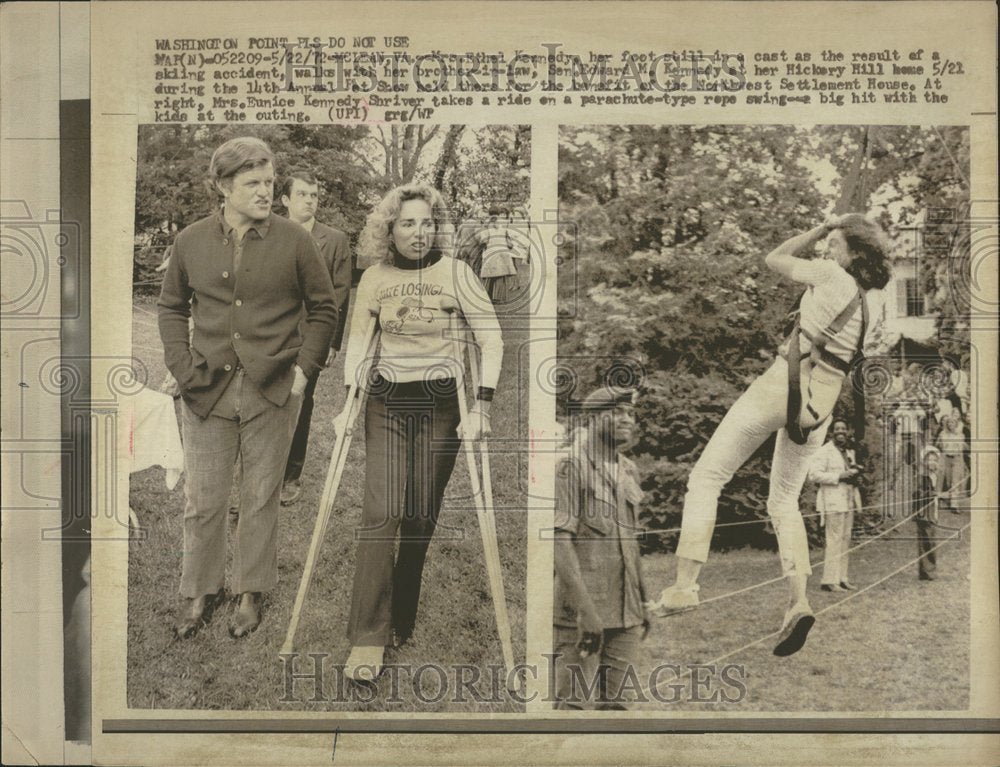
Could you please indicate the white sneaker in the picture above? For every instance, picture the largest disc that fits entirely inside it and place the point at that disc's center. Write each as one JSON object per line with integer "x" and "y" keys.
{"x": 364, "y": 664}
{"x": 675, "y": 600}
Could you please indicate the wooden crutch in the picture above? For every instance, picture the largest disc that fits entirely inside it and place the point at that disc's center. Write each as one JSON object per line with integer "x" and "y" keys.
{"x": 487, "y": 478}
{"x": 484, "y": 510}
{"x": 355, "y": 404}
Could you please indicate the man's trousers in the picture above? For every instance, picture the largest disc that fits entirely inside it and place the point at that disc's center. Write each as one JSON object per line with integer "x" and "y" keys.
{"x": 597, "y": 681}
{"x": 838, "y": 541}
{"x": 926, "y": 548}
{"x": 246, "y": 425}
{"x": 300, "y": 441}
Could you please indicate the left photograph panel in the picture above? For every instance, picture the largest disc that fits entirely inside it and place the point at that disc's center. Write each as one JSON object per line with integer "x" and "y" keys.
{"x": 329, "y": 513}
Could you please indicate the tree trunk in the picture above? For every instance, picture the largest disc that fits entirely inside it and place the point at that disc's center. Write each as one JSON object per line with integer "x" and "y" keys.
{"x": 393, "y": 159}
{"x": 447, "y": 156}
{"x": 854, "y": 193}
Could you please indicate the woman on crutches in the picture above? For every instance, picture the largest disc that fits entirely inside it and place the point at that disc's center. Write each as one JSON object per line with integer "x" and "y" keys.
{"x": 413, "y": 427}
{"x": 795, "y": 398}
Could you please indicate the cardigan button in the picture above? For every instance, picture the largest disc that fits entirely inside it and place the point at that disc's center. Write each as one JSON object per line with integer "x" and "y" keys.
{"x": 228, "y": 368}
{"x": 236, "y": 335}
{"x": 239, "y": 302}
{"x": 225, "y": 275}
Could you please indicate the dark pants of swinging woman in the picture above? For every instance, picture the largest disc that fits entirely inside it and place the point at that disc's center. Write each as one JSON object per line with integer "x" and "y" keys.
{"x": 411, "y": 446}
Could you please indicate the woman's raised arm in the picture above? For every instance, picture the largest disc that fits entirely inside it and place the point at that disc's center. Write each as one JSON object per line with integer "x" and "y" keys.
{"x": 784, "y": 258}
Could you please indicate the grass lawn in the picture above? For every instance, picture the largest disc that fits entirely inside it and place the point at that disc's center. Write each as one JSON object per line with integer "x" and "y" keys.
{"x": 455, "y": 625}
{"x": 902, "y": 645}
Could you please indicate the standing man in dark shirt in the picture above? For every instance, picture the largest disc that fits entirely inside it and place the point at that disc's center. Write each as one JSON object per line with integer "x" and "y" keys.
{"x": 300, "y": 196}
{"x": 926, "y": 499}
{"x": 243, "y": 275}
{"x": 600, "y": 616}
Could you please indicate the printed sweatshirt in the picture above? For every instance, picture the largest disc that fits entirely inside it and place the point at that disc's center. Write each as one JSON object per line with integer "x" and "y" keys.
{"x": 417, "y": 339}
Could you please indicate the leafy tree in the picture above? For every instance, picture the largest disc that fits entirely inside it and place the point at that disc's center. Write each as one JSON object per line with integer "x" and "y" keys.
{"x": 492, "y": 170}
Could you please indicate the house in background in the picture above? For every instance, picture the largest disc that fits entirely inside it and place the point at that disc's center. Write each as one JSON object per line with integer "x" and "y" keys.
{"x": 908, "y": 310}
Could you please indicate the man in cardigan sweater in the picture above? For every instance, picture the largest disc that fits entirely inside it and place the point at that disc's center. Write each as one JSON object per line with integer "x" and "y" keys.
{"x": 244, "y": 276}
{"x": 300, "y": 196}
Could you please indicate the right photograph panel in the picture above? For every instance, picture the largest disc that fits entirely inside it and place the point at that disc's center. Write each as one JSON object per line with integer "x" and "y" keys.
{"x": 763, "y": 494}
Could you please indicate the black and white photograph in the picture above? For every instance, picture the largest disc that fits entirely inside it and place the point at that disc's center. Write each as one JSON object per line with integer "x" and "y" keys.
{"x": 763, "y": 503}
{"x": 523, "y": 383}
{"x": 327, "y": 490}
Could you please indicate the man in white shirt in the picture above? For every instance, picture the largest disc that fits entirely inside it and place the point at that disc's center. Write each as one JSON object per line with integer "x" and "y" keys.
{"x": 835, "y": 469}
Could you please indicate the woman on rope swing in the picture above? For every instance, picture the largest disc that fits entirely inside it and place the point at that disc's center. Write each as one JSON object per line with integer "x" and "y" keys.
{"x": 795, "y": 398}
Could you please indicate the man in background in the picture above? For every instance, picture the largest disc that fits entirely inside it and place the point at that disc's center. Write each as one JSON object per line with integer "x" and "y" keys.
{"x": 836, "y": 471}
{"x": 926, "y": 499}
{"x": 599, "y": 616}
{"x": 300, "y": 196}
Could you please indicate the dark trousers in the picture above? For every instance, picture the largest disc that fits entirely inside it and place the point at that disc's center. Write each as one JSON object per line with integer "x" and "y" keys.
{"x": 597, "y": 680}
{"x": 300, "y": 440}
{"x": 410, "y": 450}
{"x": 927, "y": 563}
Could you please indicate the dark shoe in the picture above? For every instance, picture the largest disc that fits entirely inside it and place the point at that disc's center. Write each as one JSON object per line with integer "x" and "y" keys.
{"x": 794, "y": 633}
{"x": 831, "y": 587}
{"x": 196, "y": 613}
{"x": 247, "y": 615}
{"x": 927, "y": 577}
{"x": 848, "y": 586}
{"x": 290, "y": 492}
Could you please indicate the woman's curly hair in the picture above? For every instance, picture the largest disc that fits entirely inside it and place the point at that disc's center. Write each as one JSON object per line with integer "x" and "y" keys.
{"x": 375, "y": 243}
{"x": 867, "y": 242}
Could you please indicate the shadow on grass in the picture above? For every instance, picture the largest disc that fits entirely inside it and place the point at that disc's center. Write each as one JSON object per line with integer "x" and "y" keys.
{"x": 901, "y": 646}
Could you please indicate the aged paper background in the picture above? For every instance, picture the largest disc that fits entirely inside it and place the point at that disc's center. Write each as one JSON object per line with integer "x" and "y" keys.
{"x": 123, "y": 36}
{"x": 41, "y": 69}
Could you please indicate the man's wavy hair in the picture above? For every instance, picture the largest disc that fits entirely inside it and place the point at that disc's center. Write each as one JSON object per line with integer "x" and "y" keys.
{"x": 375, "y": 243}
{"x": 237, "y": 155}
{"x": 867, "y": 242}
